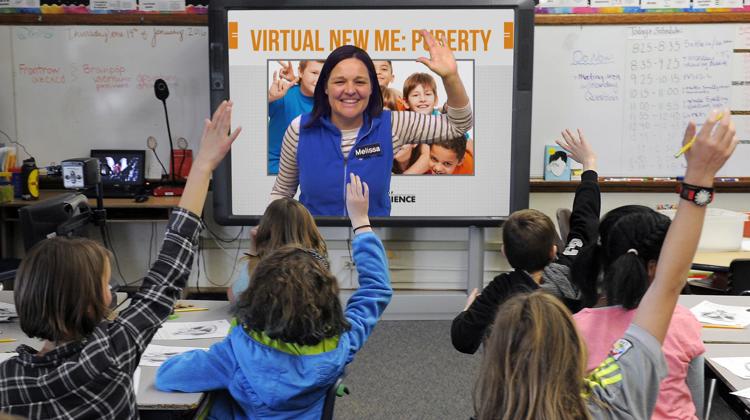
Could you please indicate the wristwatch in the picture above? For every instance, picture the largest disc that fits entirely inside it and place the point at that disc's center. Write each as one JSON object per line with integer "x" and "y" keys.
{"x": 701, "y": 196}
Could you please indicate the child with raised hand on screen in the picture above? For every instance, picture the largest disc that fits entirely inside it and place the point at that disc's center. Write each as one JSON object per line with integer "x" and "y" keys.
{"x": 294, "y": 340}
{"x": 85, "y": 366}
{"x": 285, "y": 222}
{"x": 529, "y": 245}
{"x": 535, "y": 361}
{"x": 624, "y": 265}
{"x": 288, "y": 97}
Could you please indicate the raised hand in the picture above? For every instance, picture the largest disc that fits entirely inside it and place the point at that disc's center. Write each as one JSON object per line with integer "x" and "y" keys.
{"x": 578, "y": 148}
{"x": 287, "y": 71}
{"x": 215, "y": 143}
{"x": 441, "y": 59}
{"x": 279, "y": 87}
{"x": 357, "y": 201}
{"x": 713, "y": 145}
{"x": 216, "y": 140}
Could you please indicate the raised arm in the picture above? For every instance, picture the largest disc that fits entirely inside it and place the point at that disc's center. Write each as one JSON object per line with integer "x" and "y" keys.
{"x": 163, "y": 283}
{"x": 714, "y": 144}
{"x": 584, "y": 218}
{"x": 443, "y": 63}
{"x": 364, "y": 308}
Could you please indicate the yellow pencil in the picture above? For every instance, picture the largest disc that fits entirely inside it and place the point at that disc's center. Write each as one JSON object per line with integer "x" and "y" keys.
{"x": 190, "y": 309}
{"x": 728, "y": 327}
{"x": 7, "y": 340}
{"x": 689, "y": 144}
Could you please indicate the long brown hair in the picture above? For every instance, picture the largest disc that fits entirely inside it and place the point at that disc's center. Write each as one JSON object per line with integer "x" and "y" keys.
{"x": 285, "y": 222}
{"x": 60, "y": 289}
{"x": 292, "y": 297}
{"x": 534, "y": 363}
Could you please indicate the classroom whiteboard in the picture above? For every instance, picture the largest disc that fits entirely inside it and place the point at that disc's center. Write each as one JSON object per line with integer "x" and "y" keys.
{"x": 75, "y": 88}
{"x": 632, "y": 90}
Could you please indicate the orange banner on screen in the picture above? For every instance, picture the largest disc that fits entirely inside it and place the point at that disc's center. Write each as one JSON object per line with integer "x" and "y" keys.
{"x": 233, "y": 36}
{"x": 508, "y": 35}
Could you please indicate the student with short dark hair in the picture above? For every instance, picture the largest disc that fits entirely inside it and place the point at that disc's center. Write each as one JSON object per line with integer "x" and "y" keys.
{"x": 451, "y": 158}
{"x": 85, "y": 367}
{"x": 529, "y": 244}
{"x": 293, "y": 340}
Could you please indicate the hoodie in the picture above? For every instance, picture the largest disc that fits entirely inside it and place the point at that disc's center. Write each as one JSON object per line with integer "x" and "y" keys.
{"x": 267, "y": 380}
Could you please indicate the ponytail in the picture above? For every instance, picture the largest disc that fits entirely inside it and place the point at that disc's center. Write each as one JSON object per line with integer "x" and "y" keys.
{"x": 627, "y": 280}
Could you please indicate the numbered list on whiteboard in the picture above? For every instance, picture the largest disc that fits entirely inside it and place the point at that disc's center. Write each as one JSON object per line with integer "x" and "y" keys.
{"x": 672, "y": 77}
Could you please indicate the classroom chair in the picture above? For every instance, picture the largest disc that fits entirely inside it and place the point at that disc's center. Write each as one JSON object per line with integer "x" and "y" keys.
{"x": 739, "y": 277}
{"x": 563, "y": 226}
{"x": 338, "y": 389}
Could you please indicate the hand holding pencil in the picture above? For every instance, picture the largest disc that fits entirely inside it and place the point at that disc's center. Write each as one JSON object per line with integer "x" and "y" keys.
{"x": 711, "y": 147}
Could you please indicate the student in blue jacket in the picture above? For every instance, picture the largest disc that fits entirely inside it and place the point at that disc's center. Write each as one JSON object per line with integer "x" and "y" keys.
{"x": 293, "y": 339}
{"x": 348, "y": 131}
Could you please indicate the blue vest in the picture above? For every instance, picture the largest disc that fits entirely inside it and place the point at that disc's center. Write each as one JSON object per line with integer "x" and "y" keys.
{"x": 324, "y": 172}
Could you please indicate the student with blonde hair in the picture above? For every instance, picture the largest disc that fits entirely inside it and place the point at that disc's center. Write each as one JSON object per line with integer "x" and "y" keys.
{"x": 535, "y": 361}
{"x": 285, "y": 222}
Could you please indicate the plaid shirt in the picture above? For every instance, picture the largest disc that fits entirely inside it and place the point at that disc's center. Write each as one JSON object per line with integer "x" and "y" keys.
{"x": 92, "y": 378}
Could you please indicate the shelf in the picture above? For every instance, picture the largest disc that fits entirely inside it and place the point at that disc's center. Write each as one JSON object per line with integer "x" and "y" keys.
{"x": 190, "y": 19}
{"x": 640, "y": 18}
{"x": 174, "y": 19}
{"x": 541, "y": 186}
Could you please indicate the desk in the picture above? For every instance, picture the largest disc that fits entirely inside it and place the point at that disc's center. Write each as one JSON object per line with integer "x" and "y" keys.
{"x": 13, "y": 329}
{"x": 721, "y": 259}
{"x": 727, "y": 381}
{"x": 118, "y": 210}
{"x": 147, "y": 396}
{"x": 719, "y": 335}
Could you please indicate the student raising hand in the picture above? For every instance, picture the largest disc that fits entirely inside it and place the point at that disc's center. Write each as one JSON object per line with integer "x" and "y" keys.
{"x": 578, "y": 148}
{"x": 714, "y": 144}
{"x": 215, "y": 143}
{"x": 357, "y": 202}
{"x": 279, "y": 87}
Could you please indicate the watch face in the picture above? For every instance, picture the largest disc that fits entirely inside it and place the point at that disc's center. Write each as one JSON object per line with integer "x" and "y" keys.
{"x": 702, "y": 197}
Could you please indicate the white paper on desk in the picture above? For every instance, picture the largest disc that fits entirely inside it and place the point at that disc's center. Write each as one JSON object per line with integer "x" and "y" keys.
{"x": 715, "y": 314}
{"x": 155, "y": 354}
{"x": 6, "y": 356}
{"x": 743, "y": 393}
{"x": 739, "y": 366}
{"x": 7, "y": 310}
{"x": 136, "y": 379}
{"x": 193, "y": 330}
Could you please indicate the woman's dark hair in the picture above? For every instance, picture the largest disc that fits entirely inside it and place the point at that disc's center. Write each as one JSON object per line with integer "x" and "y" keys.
{"x": 321, "y": 107}
{"x": 60, "y": 289}
{"x": 629, "y": 238}
{"x": 292, "y": 297}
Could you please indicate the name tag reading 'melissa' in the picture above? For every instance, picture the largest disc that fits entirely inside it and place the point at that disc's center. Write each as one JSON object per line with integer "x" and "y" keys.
{"x": 367, "y": 151}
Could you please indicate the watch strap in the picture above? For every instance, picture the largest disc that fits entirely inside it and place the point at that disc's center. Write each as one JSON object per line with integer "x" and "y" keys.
{"x": 701, "y": 196}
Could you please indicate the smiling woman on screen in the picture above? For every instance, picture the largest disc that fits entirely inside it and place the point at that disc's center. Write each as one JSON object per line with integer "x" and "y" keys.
{"x": 349, "y": 132}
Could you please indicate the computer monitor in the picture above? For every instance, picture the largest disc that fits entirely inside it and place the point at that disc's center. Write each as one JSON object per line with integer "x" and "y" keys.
{"x": 64, "y": 214}
{"x": 121, "y": 170}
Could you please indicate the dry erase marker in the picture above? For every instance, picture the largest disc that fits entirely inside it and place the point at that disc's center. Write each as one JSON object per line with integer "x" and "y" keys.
{"x": 689, "y": 144}
{"x": 729, "y": 179}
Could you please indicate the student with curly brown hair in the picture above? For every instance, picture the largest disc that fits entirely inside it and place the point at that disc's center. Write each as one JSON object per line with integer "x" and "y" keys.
{"x": 294, "y": 339}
